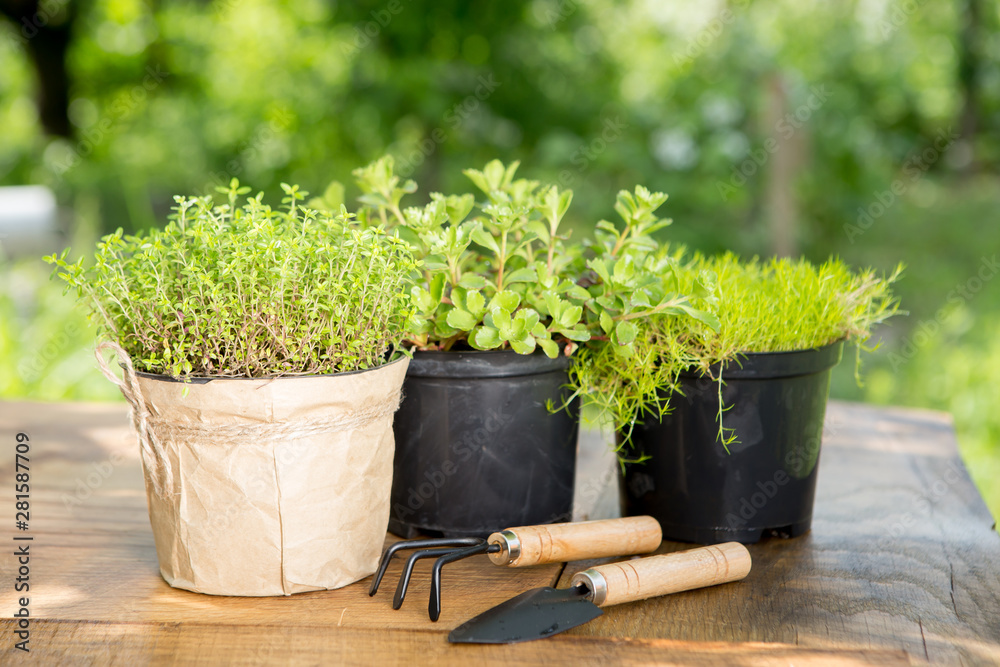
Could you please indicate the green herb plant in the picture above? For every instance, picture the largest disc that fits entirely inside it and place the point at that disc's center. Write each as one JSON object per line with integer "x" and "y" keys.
{"x": 249, "y": 291}
{"x": 500, "y": 273}
{"x": 762, "y": 306}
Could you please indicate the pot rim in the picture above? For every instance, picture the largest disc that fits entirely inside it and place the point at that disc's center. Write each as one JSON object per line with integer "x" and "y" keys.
{"x": 483, "y": 364}
{"x": 778, "y": 364}
{"x": 205, "y": 380}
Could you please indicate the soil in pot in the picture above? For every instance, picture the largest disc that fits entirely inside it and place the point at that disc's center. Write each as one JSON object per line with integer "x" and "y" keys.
{"x": 766, "y": 483}
{"x": 477, "y": 449}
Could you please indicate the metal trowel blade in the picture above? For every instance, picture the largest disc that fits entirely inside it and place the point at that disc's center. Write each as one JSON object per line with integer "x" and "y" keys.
{"x": 539, "y": 613}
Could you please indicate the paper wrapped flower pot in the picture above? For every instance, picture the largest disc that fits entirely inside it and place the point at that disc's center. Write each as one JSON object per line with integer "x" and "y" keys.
{"x": 267, "y": 487}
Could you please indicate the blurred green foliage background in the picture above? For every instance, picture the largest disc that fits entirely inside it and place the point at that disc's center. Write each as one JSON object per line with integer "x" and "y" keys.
{"x": 869, "y": 129}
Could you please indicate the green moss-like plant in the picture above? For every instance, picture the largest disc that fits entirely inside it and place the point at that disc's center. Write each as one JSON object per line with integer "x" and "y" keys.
{"x": 762, "y": 306}
{"x": 782, "y": 304}
{"x": 248, "y": 291}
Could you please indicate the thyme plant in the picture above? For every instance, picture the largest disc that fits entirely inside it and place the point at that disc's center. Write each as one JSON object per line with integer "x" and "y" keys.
{"x": 228, "y": 290}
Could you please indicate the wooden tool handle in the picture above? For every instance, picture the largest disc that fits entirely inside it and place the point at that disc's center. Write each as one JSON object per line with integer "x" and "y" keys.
{"x": 651, "y": 576}
{"x": 560, "y": 542}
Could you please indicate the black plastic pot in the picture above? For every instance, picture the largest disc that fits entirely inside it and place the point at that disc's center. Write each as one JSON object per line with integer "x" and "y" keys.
{"x": 775, "y": 404}
{"x": 477, "y": 450}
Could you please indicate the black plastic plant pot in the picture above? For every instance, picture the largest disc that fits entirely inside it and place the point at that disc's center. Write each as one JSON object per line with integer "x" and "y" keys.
{"x": 765, "y": 485}
{"x": 477, "y": 448}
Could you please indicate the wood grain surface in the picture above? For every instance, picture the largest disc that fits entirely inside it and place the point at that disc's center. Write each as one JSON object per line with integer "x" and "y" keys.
{"x": 902, "y": 554}
{"x": 902, "y": 565}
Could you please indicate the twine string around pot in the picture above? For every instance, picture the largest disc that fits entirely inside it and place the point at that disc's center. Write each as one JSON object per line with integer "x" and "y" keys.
{"x": 153, "y": 430}
{"x": 155, "y": 458}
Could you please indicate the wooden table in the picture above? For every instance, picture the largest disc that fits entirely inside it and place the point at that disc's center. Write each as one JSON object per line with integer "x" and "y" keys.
{"x": 902, "y": 566}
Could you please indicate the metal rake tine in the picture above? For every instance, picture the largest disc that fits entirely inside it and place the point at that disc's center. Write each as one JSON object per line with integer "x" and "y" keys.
{"x": 393, "y": 549}
{"x": 404, "y": 577}
{"x": 434, "y": 604}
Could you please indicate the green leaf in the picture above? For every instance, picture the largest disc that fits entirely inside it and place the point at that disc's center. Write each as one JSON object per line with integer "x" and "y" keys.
{"x": 607, "y": 324}
{"x": 485, "y": 338}
{"x": 705, "y": 318}
{"x": 538, "y": 228}
{"x": 419, "y": 325}
{"x": 443, "y": 330}
{"x": 472, "y": 281}
{"x": 570, "y": 316}
{"x": 475, "y": 303}
{"x": 507, "y": 300}
{"x": 565, "y": 199}
{"x": 578, "y": 333}
{"x": 422, "y": 299}
{"x": 600, "y": 268}
{"x": 437, "y": 288}
{"x": 525, "y": 345}
{"x": 579, "y": 293}
{"x": 524, "y": 321}
{"x": 461, "y": 319}
{"x": 624, "y": 351}
{"x": 609, "y": 301}
{"x": 607, "y": 226}
{"x": 458, "y": 297}
{"x": 374, "y": 199}
{"x": 485, "y": 239}
{"x": 525, "y": 275}
{"x": 478, "y": 179}
{"x": 549, "y": 346}
{"x": 625, "y": 332}
{"x": 624, "y": 269}
{"x": 494, "y": 172}
{"x": 501, "y": 320}
{"x": 639, "y": 299}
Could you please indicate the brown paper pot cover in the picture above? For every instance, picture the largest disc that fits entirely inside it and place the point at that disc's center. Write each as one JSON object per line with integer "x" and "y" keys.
{"x": 271, "y": 487}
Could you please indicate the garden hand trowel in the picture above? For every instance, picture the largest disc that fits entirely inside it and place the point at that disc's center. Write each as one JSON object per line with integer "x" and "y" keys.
{"x": 544, "y": 612}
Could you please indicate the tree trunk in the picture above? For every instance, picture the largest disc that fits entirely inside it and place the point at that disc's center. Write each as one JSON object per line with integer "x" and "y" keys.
{"x": 780, "y": 208}
{"x": 46, "y": 38}
{"x": 969, "y": 66}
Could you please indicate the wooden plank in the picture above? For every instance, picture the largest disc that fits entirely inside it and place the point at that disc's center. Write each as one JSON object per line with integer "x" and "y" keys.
{"x": 853, "y": 589}
{"x": 71, "y": 643}
{"x": 93, "y": 555}
{"x": 902, "y": 554}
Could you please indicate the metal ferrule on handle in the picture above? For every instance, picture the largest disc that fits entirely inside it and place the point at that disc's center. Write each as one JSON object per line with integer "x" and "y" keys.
{"x": 561, "y": 542}
{"x": 652, "y": 576}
